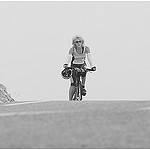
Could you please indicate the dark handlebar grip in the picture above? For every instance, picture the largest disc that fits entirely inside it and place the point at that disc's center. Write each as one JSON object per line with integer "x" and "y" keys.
{"x": 87, "y": 69}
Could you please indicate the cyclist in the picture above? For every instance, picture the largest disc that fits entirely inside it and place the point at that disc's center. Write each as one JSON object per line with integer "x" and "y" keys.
{"x": 76, "y": 56}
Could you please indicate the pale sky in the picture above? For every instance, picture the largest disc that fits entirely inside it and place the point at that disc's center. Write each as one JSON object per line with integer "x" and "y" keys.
{"x": 35, "y": 39}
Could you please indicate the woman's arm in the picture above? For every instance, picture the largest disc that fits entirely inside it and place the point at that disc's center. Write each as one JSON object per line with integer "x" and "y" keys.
{"x": 68, "y": 59}
{"x": 89, "y": 56}
{"x": 90, "y": 59}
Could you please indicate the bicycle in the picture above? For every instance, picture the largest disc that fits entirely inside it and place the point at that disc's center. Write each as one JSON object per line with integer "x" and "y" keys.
{"x": 78, "y": 72}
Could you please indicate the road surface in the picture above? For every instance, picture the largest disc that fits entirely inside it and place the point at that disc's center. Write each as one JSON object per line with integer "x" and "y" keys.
{"x": 75, "y": 124}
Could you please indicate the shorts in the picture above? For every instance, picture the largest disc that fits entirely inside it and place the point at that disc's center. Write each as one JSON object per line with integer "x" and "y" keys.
{"x": 78, "y": 66}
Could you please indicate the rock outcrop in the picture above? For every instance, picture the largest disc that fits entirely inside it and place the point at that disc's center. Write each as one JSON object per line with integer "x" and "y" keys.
{"x": 4, "y": 95}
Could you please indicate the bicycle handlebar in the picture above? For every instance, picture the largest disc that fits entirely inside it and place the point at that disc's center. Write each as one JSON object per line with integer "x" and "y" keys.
{"x": 86, "y": 69}
{"x": 92, "y": 69}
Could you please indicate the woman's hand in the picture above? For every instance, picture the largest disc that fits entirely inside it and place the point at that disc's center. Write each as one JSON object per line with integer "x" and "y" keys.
{"x": 94, "y": 68}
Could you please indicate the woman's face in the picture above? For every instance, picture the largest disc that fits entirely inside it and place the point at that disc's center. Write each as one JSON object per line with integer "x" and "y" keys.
{"x": 78, "y": 43}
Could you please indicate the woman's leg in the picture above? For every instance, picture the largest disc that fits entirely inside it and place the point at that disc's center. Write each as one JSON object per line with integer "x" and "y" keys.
{"x": 83, "y": 86}
{"x": 83, "y": 81}
{"x": 84, "y": 75}
{"x": 71, "y": 90}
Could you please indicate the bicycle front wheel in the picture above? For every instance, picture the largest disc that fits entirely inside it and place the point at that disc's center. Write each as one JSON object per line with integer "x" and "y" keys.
{"x": 80, "y": 91}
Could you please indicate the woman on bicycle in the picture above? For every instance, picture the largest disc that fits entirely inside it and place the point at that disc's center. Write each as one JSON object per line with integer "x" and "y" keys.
{"x": 76, "y": 56}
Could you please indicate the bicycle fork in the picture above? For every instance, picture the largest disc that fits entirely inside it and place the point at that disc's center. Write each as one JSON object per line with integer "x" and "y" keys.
{"x": 78, "y": 91}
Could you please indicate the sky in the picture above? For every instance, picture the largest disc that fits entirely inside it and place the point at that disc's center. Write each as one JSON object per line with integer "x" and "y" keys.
{"x": 36, "y": 38}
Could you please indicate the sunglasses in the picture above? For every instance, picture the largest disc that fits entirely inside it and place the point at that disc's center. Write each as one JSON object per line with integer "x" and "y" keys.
{"x": 78, "y": 41}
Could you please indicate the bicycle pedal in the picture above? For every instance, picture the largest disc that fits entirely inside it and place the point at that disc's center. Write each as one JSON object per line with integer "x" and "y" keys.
{"x": 84, "y": 93}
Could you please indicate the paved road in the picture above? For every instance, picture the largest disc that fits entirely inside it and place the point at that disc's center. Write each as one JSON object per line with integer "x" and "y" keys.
{"x": 87, "y": 124}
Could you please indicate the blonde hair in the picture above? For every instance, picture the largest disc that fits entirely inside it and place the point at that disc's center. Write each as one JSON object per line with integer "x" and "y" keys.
{"x": 77, "y": 37}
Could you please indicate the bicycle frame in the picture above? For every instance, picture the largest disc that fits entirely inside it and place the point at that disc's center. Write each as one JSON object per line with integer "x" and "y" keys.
{"x": 78, "y": 87}
{"x": 78, "y": 72}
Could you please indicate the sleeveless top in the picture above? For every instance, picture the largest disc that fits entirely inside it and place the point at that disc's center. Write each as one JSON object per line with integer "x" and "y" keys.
{"x": 79, "y": 58}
